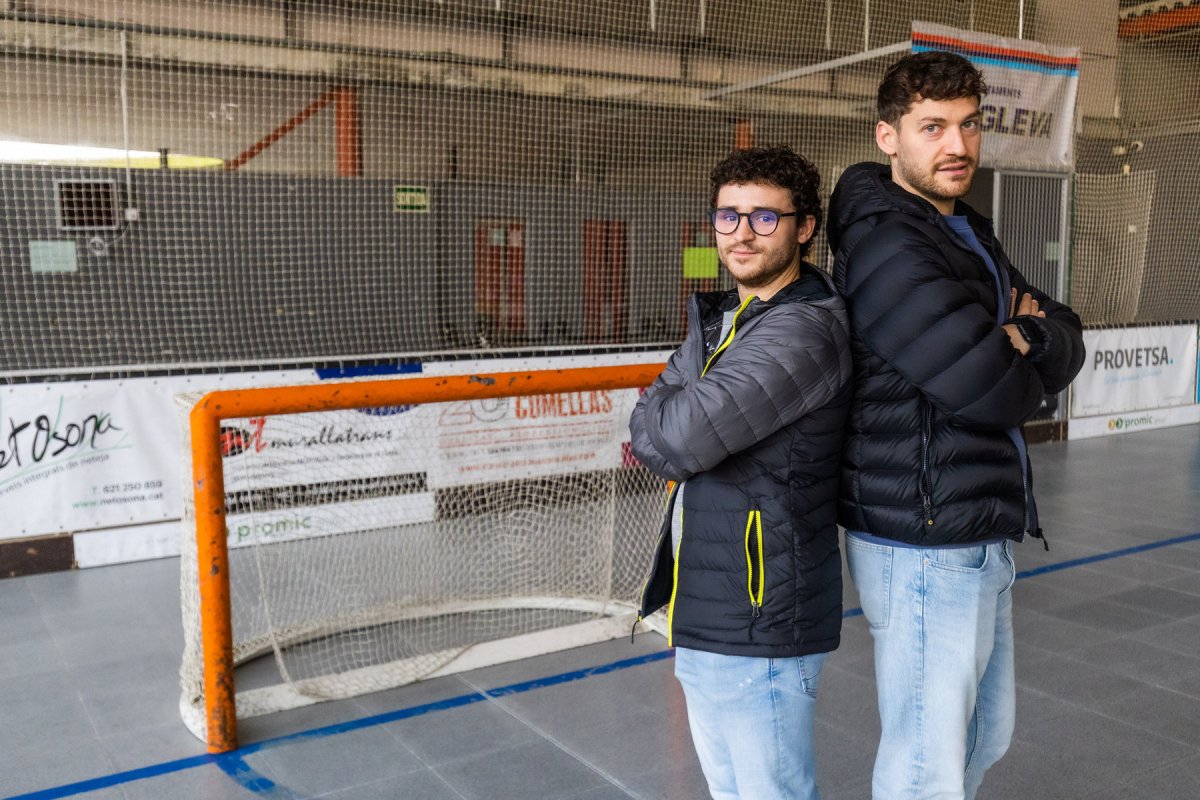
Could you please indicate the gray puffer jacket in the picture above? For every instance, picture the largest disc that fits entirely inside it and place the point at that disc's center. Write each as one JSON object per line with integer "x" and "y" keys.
{"x": 754, "y": 425}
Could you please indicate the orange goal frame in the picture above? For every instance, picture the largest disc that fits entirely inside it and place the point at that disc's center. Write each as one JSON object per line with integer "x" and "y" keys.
{"x": 209, "y": 485}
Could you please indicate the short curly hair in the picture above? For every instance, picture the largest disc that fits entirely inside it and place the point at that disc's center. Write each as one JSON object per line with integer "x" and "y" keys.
{"x": 777, "y": 166}
{"x": 932, "y": 75}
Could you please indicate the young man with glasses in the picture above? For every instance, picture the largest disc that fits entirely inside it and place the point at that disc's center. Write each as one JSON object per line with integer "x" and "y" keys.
{"x": 953, "y": 350}
{"x": 747, "y": 421}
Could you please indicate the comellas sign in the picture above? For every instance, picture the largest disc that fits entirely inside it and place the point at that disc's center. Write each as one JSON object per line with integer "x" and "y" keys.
{"x": 1030, "y": 106}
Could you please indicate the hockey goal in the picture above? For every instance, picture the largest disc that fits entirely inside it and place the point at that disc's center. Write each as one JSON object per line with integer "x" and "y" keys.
{"x": 354, "y": 536}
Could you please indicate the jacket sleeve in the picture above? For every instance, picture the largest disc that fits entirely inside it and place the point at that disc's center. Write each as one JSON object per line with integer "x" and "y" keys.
{"x": 793, "y": 360}
{"x": 670, "y": 381}
{"x": 1059, "y": 353}
{"x": 914, "y": 313}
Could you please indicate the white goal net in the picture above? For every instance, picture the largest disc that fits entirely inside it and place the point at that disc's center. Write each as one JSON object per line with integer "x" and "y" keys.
{"x": 373, "y": 547}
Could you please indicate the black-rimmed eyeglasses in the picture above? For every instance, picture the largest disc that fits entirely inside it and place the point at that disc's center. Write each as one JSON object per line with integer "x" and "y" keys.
{"x": 763, "y": 221}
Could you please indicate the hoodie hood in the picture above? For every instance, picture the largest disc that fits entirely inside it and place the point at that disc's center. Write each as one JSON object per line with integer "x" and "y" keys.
{"x": 867, "y": 190}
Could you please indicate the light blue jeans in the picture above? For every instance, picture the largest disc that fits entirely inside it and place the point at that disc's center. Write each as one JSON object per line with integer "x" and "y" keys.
{"x": 942, "y": 623}
{"x": 752, "y": 722}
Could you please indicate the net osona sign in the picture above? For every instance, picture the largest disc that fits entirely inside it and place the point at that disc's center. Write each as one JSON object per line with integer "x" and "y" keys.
{"x": 1028, "y": 114}
{"x": 96, "y": 454}
{"x": 83, "y": 456}
{"x": 1133, "y": 378}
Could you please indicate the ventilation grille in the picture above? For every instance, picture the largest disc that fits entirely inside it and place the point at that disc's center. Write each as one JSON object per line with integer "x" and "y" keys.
{"x": 87, "y": 205}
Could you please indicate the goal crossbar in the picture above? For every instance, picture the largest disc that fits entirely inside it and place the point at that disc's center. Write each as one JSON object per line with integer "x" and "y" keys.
{"x": 209, "y": 486}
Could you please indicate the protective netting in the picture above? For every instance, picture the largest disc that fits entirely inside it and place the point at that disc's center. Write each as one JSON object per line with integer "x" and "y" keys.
{"x": 372, "y": 548}
{"x": 1112, "y": 241}
{"x": 309, "y": 181}
{"x": 195, "y": 186}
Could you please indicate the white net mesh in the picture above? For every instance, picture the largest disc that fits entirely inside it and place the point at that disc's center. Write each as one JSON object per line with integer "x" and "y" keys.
{"x": 307, "y": 181}
{"x": 1111, "y": 246}
{"x": 371, "y": 548}
{"x": 235, "y": 184}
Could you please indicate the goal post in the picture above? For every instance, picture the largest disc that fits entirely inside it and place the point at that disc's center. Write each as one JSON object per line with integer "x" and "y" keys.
{"x": 567, "y": 473}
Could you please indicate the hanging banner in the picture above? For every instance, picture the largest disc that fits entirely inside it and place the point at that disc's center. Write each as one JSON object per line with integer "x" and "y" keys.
{"x": 1029, "y": 111}
{"x": 1133, "y": 369}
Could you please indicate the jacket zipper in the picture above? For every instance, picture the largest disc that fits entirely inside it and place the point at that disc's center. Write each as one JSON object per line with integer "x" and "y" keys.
{"x": 670, "y": 510}
{"x": 926, "y": 481}
{"x": 1030, "y": 528}
{"x": 672, "y": 487}
{"x": 674, "y": 582}
{"x": 754, "y": 562}
{"x": 729, "y": 338}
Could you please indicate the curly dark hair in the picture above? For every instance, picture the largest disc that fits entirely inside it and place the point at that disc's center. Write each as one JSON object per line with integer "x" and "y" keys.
{"x": 777, "y": 166}
{"x": 932, "y": 75}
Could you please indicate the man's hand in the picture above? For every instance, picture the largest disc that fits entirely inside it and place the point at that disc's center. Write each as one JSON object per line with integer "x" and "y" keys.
{"x": 1027, "y": 307}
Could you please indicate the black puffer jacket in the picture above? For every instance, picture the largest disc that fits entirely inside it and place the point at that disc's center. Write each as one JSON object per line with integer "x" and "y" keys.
{"x": 937, "y": 381}
{"x": 754, "y": 425}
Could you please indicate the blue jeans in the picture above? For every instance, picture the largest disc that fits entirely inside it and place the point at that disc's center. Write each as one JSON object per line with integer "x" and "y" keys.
{"x": 752, "y": 722}
{"x": 942, "y": 624}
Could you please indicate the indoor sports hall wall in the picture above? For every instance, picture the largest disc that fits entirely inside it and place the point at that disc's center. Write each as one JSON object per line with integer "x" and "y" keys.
{"x": 216, "y": 186}
{"x": 549, "y": 112}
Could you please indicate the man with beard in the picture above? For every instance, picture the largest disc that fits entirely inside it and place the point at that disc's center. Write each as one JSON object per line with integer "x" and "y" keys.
{"x": 747, "y": 420}
{"x": 953, "y": 350}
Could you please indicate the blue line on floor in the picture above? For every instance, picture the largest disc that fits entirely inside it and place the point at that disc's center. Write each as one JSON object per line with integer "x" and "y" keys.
{"x": 234, "y": 765}
{"x": 93, "y": 784}
{"x": 1079, "y": 562}
{"x": 1127, "y": 551}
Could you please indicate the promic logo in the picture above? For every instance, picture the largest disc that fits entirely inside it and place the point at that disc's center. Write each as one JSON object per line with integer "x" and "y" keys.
{"x": 1129, "y": 423}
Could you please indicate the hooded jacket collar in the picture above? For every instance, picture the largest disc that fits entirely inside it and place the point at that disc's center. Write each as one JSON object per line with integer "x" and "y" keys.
{"x": 813, "y": 285}
{"x": 867, "y": 190}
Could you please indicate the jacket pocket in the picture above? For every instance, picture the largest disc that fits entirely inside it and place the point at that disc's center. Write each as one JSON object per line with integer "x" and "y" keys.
{"x": 755, "y": 574}
{"x": 926, "y": 477}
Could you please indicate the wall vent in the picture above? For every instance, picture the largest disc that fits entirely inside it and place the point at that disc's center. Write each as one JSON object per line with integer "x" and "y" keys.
{"x": 87, "y": 205}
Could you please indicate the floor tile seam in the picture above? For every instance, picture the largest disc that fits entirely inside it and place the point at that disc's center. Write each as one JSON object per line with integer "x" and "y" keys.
{"x": 1153, "y": 620}
{"x": 1132, "y": 781}
{"x": 388, "y": 781}
{"x": 1162, "y": 652}
{"x": 389, "y": 729}
{"x": 1188, "y": 623}
{"x": 97, "y": 734}
{"x": 1099, "y": 711}
{"x": 1082, "y": 658}
{"x": 272, "y": 764}
{"x": 547, "y": 736}
{"x": 437, "y": 773}
{"x": 1093, "y": 710}
{"x": 1164, "y": 683}
{"x": 471, "y": 696}
{"x": 1183, "y": 696}
{"x": 1075, "y": 706}
{"x": 447, "y": 784}
{"x": 1135, "y": 607}
{"x": 1095, "y": 635}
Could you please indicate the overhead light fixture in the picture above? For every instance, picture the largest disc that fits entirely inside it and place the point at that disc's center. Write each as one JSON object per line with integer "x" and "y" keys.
{"x": 70, "y": 155}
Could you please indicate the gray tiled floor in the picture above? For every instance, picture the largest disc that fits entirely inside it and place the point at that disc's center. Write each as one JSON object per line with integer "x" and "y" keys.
{"x": 1108, "y": 669}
